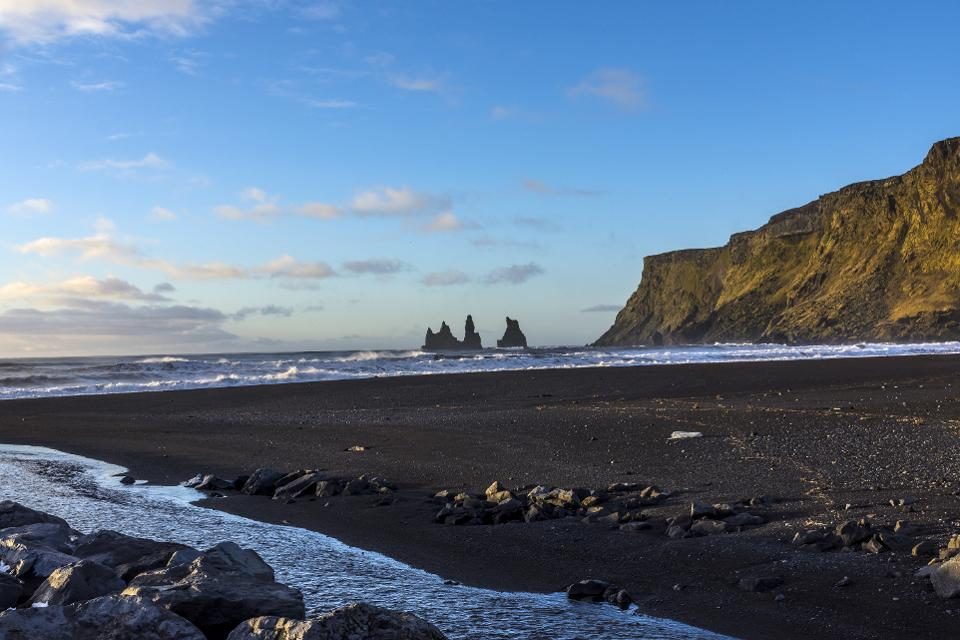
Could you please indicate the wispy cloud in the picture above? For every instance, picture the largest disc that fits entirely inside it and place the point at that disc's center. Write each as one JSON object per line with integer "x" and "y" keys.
{"x": 259, "y": 207}
{"x": 8, "y": 87}
{"x": 45, "y": 21}
{"x": 422, "y": 84}
{"x": 30, "y": 207}
{"x": 620, "y": 87}
{"x": 330, "y": 103}
{"x": 287, "y": 266}
{"x": 514, "y": 274}
{"x": 90, "y": 87}
{"x": 544, "y": 189}
{"x": 539, "y": 224}
{"x": 447, "y": 222}
{"x": 320, "y": 210}
{"x": 602, "y": 308}
{"x": 162, "y": 214}
{"x": 376, "y": 266}
{"x": 446, "y": 278}
{"x": 400, "y": 201}
{"x": 321, "y": 11}
{"x": 86, "y": 287}
{"x": 150, "y": 161}
{"x": 268, "y": 310}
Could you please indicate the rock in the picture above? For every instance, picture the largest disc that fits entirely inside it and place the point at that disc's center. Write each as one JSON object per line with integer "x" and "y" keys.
{"x": 51, "y": 535}
{"x": 592, "y": 590}
{"x": 84, "y": 580}
{"x": 106, "y": 618}
{"x": 760, "y": 584}
{"x": 735, "y": 293}
{"x": 128, "y": 480}
{"x": 213, "y": 483}
{"x": 220, "y": 589}
{"x": 946, "y": 579}
{"x": 361, "y": 621}
{"x": 925, "y": 549}
{"x": 895, "y": 541}
{"x": 513, "y": 336}
{"x": 33, "y": 564}
{"x": 471, "y": 339}
{"x": 495, "y": 488}
{"x": 444, "y": 339}
{"x": 701, "y": 510}
{"x": 676, "y": 532}
{"x": 11, "y": 590}
{"x": 357, "y": 487}
{"x": 262, "y": 482}
{"x": 744, "y": 519}
{"x": 304, "y": 485}
{"x": 851, "y": 532}
{"x": 708, "y": 527}
{"x": 874, "y": 545}
{"x": 13, "y": 514}
{"x": 635, "y": 527}
{"x": 845, "y": 581}
{"x": 329, "y": 488}
{"x": 685, "y": 435}
{"x": 127, "y": 555}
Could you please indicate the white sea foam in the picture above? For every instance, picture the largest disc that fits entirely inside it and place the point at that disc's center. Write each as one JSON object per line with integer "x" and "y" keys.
{"x": 84, "y": 376}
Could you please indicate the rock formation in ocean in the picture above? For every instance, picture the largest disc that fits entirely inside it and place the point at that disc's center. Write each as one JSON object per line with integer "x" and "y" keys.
{"x": 876, "y": 260}
{"x": 444, "y": 340}
{"x": 512, "y": 337}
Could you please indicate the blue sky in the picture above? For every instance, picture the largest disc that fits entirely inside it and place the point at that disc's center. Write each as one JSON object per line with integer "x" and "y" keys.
{"x": 184, "y": 176}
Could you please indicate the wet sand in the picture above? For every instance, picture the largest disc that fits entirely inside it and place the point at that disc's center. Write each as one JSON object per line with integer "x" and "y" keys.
{"x": 817, "y": 435}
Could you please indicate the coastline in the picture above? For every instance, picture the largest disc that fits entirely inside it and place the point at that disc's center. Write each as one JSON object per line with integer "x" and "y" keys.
{"x": 817, "y": 434}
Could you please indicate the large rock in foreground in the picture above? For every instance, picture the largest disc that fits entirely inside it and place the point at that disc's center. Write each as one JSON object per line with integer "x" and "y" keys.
{"x": 220, "y": 589}
{"x": 107, "y": 618}
{"x": 84, "y": 580}
{"x": 14, "y": 514}
{"x": 355, "y": 621}
{"x": 873, "y": 261}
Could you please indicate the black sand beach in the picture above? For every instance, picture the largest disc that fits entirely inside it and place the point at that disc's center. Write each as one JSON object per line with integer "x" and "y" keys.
{"x": 815, "y": 435}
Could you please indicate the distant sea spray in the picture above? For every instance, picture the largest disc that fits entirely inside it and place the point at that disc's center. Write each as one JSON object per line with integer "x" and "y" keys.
{"x": 42, "y": 377}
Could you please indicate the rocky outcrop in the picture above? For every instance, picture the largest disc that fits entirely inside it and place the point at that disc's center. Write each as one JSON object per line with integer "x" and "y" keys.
{"x": 873, "y": 261}
{"x": 512, "y": 337}
{"x": 444, "y": 340}
{"x": 353, "y": 621}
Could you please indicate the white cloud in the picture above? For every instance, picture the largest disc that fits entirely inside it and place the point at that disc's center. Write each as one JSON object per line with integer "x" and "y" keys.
{"x": 150, "y": 161}
{"x": 377, "y": 266}
{"x": 162, "y": 214}
{"x": 320, "y": 210}
{"x": 514, "y": 274}
{"x": 263, "y": 207}
{"x": 8, "y": 87}
{"x": 321, "y": 11}
{"x": 402, "y": 201}
{"x": 423, "y": 84}
{"x": 289, "y": 267}
{"x": 31, "y": 206}
{"x": 621, "y": 87}
{"x": 268, "y": 310}
{"x": 85, "y": 287}
{"x": 446, "y": 222}
{"x": 89, "y": 87}
{"x": 445, "y": 278}
{"x": 27, "y": 22}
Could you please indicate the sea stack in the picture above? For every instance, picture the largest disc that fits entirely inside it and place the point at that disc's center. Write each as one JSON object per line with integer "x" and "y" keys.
{"x": 513, "y": 336}
{"x": 444, "y": 340}
{"x": 874, "y": 261}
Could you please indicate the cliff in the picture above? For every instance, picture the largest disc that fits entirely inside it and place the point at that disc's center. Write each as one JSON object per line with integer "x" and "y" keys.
{"x": 876, "y": 260}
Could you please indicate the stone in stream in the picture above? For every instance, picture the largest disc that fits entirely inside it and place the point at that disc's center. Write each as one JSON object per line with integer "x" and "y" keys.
{"x": 84, "y": 580}
{"x": 352, "y": 621}
{"x": 220, "y": 589}
{"x": 106, "y": 618}
{"x": 262, "y": 482}
{"x": 13, "y": 514}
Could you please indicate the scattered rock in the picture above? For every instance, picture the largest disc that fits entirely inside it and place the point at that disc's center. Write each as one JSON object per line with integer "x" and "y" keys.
{"x": 262, "y": 482}
{"x": 84, "y": 580}
{"x": 353, "y": 621}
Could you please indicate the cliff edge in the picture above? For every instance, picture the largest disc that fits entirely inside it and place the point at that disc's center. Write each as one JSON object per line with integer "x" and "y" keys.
{"x": 874, "y": 261}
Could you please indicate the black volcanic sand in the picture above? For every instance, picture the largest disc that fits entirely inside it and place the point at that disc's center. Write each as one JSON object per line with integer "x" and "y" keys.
{"x": 818, "y": 435}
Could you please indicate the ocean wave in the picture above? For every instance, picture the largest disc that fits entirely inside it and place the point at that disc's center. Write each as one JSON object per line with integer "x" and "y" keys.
{"x": 162, "y": 360}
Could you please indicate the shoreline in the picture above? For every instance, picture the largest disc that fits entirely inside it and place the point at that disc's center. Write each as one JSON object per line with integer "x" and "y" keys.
{"x": 771, "y": 427}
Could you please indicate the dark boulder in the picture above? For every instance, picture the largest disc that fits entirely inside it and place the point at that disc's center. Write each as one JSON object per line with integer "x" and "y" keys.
{"x": 513, "y": 336}
{"x": 51, "y": 535}
{"x": 84, "y": 580}
{"x": 220, "y": 589}
{"x": 211, "y": 482}
{"x": 126, "y": 555}
{"x": 352, "y": 621}
{"x": 11, "y": 590}
{"x": 13, "y": 514}
{"x": 33, "y": 563}
{"x": 262, "y": 482}
{"x": 107, "y": 618}
{"x": 303, "y": 485}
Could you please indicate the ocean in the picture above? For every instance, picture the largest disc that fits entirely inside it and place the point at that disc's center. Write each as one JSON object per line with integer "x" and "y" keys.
{"x": 43, "y": 377}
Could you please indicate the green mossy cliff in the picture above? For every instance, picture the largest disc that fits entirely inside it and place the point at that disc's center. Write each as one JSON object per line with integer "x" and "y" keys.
{"x": 876, "y": 260}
